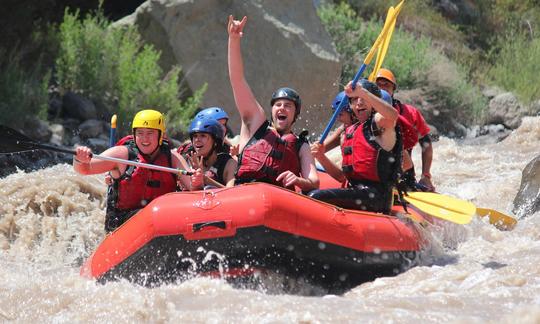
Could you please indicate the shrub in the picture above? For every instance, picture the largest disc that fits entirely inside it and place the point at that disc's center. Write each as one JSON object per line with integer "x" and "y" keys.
{"x": 413, "y": 59}
{"x": 354, "y": 38}
{"x": 448, "y": 85}
{"x": 111, "y": 65}
{"x": 23, "y": 93}
{"x": 516, "y": 67}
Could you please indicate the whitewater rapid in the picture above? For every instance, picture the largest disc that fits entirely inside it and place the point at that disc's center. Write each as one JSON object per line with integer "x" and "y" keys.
{"x": 52, "y": 219}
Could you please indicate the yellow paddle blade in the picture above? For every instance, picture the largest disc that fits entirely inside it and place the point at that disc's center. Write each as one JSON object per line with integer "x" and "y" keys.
{"x": 383, "y": 34}
{"x": 448, "y": 208}
{"x": 383, "y": 48}
{"x": 501, "y": 221}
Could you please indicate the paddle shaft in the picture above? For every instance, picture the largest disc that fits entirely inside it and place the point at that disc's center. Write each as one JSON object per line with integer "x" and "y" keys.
{"x": 367, "y": 60}
{"x": 117, "y": 160}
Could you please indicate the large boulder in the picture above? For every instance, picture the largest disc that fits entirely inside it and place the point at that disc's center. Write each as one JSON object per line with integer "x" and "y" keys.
{"x": 527, "y": 200}
{"x": 77, "y": 106}
{"x": 506, "y": 109}
{"x": 284, "y": 44}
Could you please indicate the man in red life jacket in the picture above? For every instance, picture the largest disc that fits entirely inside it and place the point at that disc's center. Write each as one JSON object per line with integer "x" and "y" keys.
{"x": 386, "y": 80}
{"x": 371, "y": 150}
{"x": 134, "y": 187}
{"x": 268, "y": 153}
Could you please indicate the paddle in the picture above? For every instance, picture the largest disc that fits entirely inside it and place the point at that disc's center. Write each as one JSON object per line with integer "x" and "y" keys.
{"x": 367, "y": 60}
{"x": 448, "y": 208}
{"x": 12, "y": 141}
{"x": 383, "y": 48}
{"x": 112, "y": 134}
{"x": 501, "y": 221}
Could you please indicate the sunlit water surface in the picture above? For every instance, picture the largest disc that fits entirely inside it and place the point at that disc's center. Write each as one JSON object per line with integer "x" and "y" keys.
{"x": 51, "y": 220}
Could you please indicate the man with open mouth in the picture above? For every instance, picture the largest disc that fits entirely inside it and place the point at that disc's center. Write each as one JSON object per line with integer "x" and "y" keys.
{"x": 270, "y": 152}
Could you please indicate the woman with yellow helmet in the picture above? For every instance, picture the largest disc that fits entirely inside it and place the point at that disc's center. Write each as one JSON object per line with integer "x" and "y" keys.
{"x": 134, "y": 187}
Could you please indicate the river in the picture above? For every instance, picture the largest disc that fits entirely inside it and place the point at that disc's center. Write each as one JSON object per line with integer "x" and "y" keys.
{"x": 52, "y": 219}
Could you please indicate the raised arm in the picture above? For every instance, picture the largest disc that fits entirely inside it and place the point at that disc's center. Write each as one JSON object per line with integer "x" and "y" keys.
{"x": 389, "y": 115}
{"x": 84, "y": 163}
{"x": 251, "y": 112}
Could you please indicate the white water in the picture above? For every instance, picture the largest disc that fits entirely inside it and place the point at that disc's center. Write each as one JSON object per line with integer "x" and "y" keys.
{"x": 50, "y": 220}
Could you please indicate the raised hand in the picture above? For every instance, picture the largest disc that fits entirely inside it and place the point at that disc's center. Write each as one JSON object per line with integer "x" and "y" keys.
{"x": 317, "y": 150}
{"x": 235, "y": 149}
{"x": 197, "y": 163}
{"x": 236, "y": 27}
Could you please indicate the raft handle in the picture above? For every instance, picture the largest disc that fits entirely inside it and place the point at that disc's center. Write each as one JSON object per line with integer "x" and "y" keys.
{"x": 199, "y": 226}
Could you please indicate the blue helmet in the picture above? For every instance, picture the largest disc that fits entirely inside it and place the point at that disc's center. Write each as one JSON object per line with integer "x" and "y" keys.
{"x": 337, "y": 100}
{"x": 386, "y": 97}
{"x": 209, "y": 126}
{"x": 216, "y": 113}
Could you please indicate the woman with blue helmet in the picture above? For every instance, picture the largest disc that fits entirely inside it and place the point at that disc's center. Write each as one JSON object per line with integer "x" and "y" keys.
{"x": 221, "y": 116}
{"x": 207, "y": 158}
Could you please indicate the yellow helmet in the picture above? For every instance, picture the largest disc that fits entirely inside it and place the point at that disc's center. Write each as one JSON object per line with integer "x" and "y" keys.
{"x": 150, "y": 119}
{"x": 388, "y": 75}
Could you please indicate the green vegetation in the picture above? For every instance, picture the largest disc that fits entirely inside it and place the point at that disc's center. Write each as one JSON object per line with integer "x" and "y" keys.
{"x": 353, "y": 39}
{"x": 413, "y": 59}
{"x": 517, "y": 67}
{"x": 22, "y": 93}
{"x": 113, "y": 66}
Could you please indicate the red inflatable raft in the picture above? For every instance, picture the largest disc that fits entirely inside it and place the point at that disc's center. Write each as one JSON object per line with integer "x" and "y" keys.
{"x": 256, "y": 226}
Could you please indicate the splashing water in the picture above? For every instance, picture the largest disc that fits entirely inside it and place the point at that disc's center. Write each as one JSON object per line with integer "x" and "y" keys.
{"x": 52, "y": 219}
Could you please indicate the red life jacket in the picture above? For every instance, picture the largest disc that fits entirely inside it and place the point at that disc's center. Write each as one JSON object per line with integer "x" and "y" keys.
{"x": 364, "y": 159}
{"x": 139, "y": 186}
{"x": 267, "y": 155}
{"x": 413, "y": 124}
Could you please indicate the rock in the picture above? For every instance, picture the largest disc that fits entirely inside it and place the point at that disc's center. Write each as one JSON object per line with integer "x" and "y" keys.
{"x": 97, "y": 145}
{"x": 91, "y": 128}
{"x": 78, "y": 107}
{"x": 534, "y": 108}
{"x": 55, "y": 107}
{"x": 37, "y": 129}
{"x": 461, "y": 12}
{"x": 505, "y": 109}
{"x": 58, "y": 132}
{"x": 487, "y": 134}
{"x": 440, "y": 118}
{"x": 491, "y": 92}
{"x": 283, "y": 45}
{"x": 527, "y": 200}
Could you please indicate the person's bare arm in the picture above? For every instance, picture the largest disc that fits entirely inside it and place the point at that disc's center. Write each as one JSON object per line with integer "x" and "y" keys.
{"x": 330, "y": 167}
{"x": 251, "y": 112}
{"x": 427, "y": 159}
{"x": 333, "y": 140}
{"x": 389, "y": 115}
{"x": 228, "y": 173}
{"x": 309, "y": 180}
{"x": 84, "y": 163}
